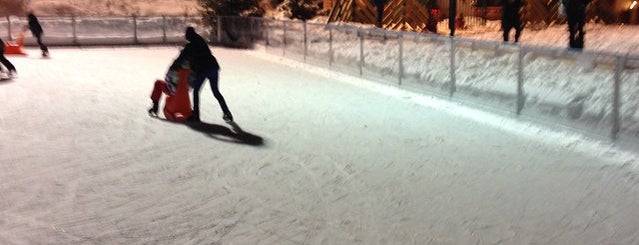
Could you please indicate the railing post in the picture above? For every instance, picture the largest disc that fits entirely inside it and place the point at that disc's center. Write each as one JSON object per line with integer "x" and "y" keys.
{"x": 219, "y": 29}
{"x": 400, "y": 40}
{"x": 452, "y": 66}
{"x": 305, "y": 40}
{"x": 520, "y": 81}
{"x": 284, "y": 39}
{"x": 74, "y": 26}
{"x": 164, "y": 28}
{"x": 268, "y": 26}
{"x": 135, "y": 29}
{"x": 360, "y": 34}
{"x": 616, "y": 100}
{"x": 9, "y": 28}
{"x": 330, "y": 46}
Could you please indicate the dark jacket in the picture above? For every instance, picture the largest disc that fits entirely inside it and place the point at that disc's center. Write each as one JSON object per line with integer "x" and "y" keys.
{"x": 510, "y": 9}
{"x": 197, "y": 53}
{"x": 575, "y": 2}
{"x": 34, "y": 25}
{"x": 575, "y": 7}
{"x": 380, "y": 2}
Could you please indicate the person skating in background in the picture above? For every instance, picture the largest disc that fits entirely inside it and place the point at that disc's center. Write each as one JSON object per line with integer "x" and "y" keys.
{"x": 36, "y": 30}
{"x": 510, "y": 18}
{"x": 204, "y": 65}
{"x": 5, "y": 62}
{"x": 576, "y": 15}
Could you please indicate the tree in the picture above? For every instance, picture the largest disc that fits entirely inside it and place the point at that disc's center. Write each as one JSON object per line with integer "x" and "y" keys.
{"x": 14, "y": 7}
{"x": 301, "y": 9}
{"x": 230, "y": 8}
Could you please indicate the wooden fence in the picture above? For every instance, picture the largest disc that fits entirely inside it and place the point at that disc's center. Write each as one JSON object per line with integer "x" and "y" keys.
{"x": 404, "y": 15}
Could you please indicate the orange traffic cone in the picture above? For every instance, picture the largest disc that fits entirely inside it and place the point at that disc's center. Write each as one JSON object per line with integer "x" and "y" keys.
{"x": 177, "y": 107}
{"x": 11, "y": 47}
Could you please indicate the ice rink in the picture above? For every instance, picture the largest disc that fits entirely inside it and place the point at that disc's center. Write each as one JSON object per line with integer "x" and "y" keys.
{"x": 324, "y": 159}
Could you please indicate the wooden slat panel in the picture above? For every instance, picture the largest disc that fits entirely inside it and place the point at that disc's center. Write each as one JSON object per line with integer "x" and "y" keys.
{"x": 398, "y": 14}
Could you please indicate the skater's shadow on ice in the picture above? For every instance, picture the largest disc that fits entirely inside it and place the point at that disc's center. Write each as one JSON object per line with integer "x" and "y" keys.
{"x": 5, "y": 80}
{"x": 219, "y": 132}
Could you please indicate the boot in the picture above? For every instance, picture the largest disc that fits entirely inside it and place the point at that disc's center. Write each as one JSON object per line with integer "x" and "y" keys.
{"x": 154, "y": 109}
{"x": 194, "y": 118}
{"x": 227, "y": 117}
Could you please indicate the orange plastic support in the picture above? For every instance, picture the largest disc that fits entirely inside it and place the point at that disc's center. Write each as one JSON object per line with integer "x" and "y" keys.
{"x": 12, "y": 47}
{"x": 177, "y": 107}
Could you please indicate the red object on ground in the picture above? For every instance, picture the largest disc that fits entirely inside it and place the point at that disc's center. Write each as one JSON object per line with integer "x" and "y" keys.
{"x": 11, "y": 47}
{"x": 177, "y": 107}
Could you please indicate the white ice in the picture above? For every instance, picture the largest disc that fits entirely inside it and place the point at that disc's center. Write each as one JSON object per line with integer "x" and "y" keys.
{"x": 343, "y": 161}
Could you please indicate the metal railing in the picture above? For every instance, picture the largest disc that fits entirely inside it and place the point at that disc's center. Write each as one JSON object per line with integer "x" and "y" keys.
{"x": 82, "y": 30}
{"x": 594, "y": 91}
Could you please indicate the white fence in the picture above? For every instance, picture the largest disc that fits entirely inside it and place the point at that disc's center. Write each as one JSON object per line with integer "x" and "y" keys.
{"x": 597, "y": 92}
{"x": 592, "y": 91}
{"x": 74, "y": 30}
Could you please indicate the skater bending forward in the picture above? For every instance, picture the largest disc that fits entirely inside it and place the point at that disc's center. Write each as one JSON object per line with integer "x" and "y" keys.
{"x": 204, "y": 65}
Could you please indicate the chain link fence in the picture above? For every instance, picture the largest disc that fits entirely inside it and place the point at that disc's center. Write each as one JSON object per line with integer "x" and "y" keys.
{"x": 593, "y": 91}
{"x": 76, "y": 30}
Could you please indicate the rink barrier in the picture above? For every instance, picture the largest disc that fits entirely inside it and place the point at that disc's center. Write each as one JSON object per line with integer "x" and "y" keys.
{"x": 356, "y": 50}
{"x": 608, "y": 108}
{"x": 104, "y": 30}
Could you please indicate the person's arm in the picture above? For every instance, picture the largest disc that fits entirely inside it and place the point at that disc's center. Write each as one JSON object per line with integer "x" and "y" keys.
{"x": 184, "y": 54}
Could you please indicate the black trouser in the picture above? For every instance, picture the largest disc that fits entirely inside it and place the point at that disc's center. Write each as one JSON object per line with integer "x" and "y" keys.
{"x": 3, "y": 59}
{"x": 576, "y": 21}
{"x": 509, "y": 23}
{"x": 42, "y": 46}
{"x": 213, "y": 76}
{"x": 380, "y": 15}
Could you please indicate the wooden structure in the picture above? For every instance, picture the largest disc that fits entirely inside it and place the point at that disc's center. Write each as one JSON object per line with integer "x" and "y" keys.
{"x": 404, "y": 15}
{"x": 411, "y": 15}
{"x": 327, "y": 4}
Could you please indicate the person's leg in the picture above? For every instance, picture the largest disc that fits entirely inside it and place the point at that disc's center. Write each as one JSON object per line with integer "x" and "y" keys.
{"x": 159, "y": 87}
{"x": 380, "y": 16}
{"x": 579, "y": 39}
{"x": 196, "y": 85}
{"x": 45, "y": 50}
{"x": 518, "y": 28}
{"x": 4, "y": 60}
{"x": 506, "y": 28}
{"x": 213, "y": 76}
{"x": 572, "y": 29}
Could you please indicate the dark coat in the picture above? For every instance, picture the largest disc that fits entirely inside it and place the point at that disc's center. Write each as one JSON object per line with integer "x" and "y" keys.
{"x": 575, "y": 7}
{"x": 34, "y": 25}
{"x": 380, "y": 2}
{"x": 510, "y": 10}
{"x": 197, "y": 53}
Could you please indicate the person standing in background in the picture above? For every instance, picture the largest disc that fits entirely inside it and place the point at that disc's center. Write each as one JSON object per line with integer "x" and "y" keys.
{"x": 510, "y": 18}
{"x": 36, "y": 30}
{"x": 576, "y": 15}
{"x": 379, "y": 4}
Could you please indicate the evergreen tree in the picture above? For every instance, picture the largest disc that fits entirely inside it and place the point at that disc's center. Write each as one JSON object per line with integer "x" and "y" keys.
{"x": 230, "y": 8}
{"x": 302, "y": 9}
